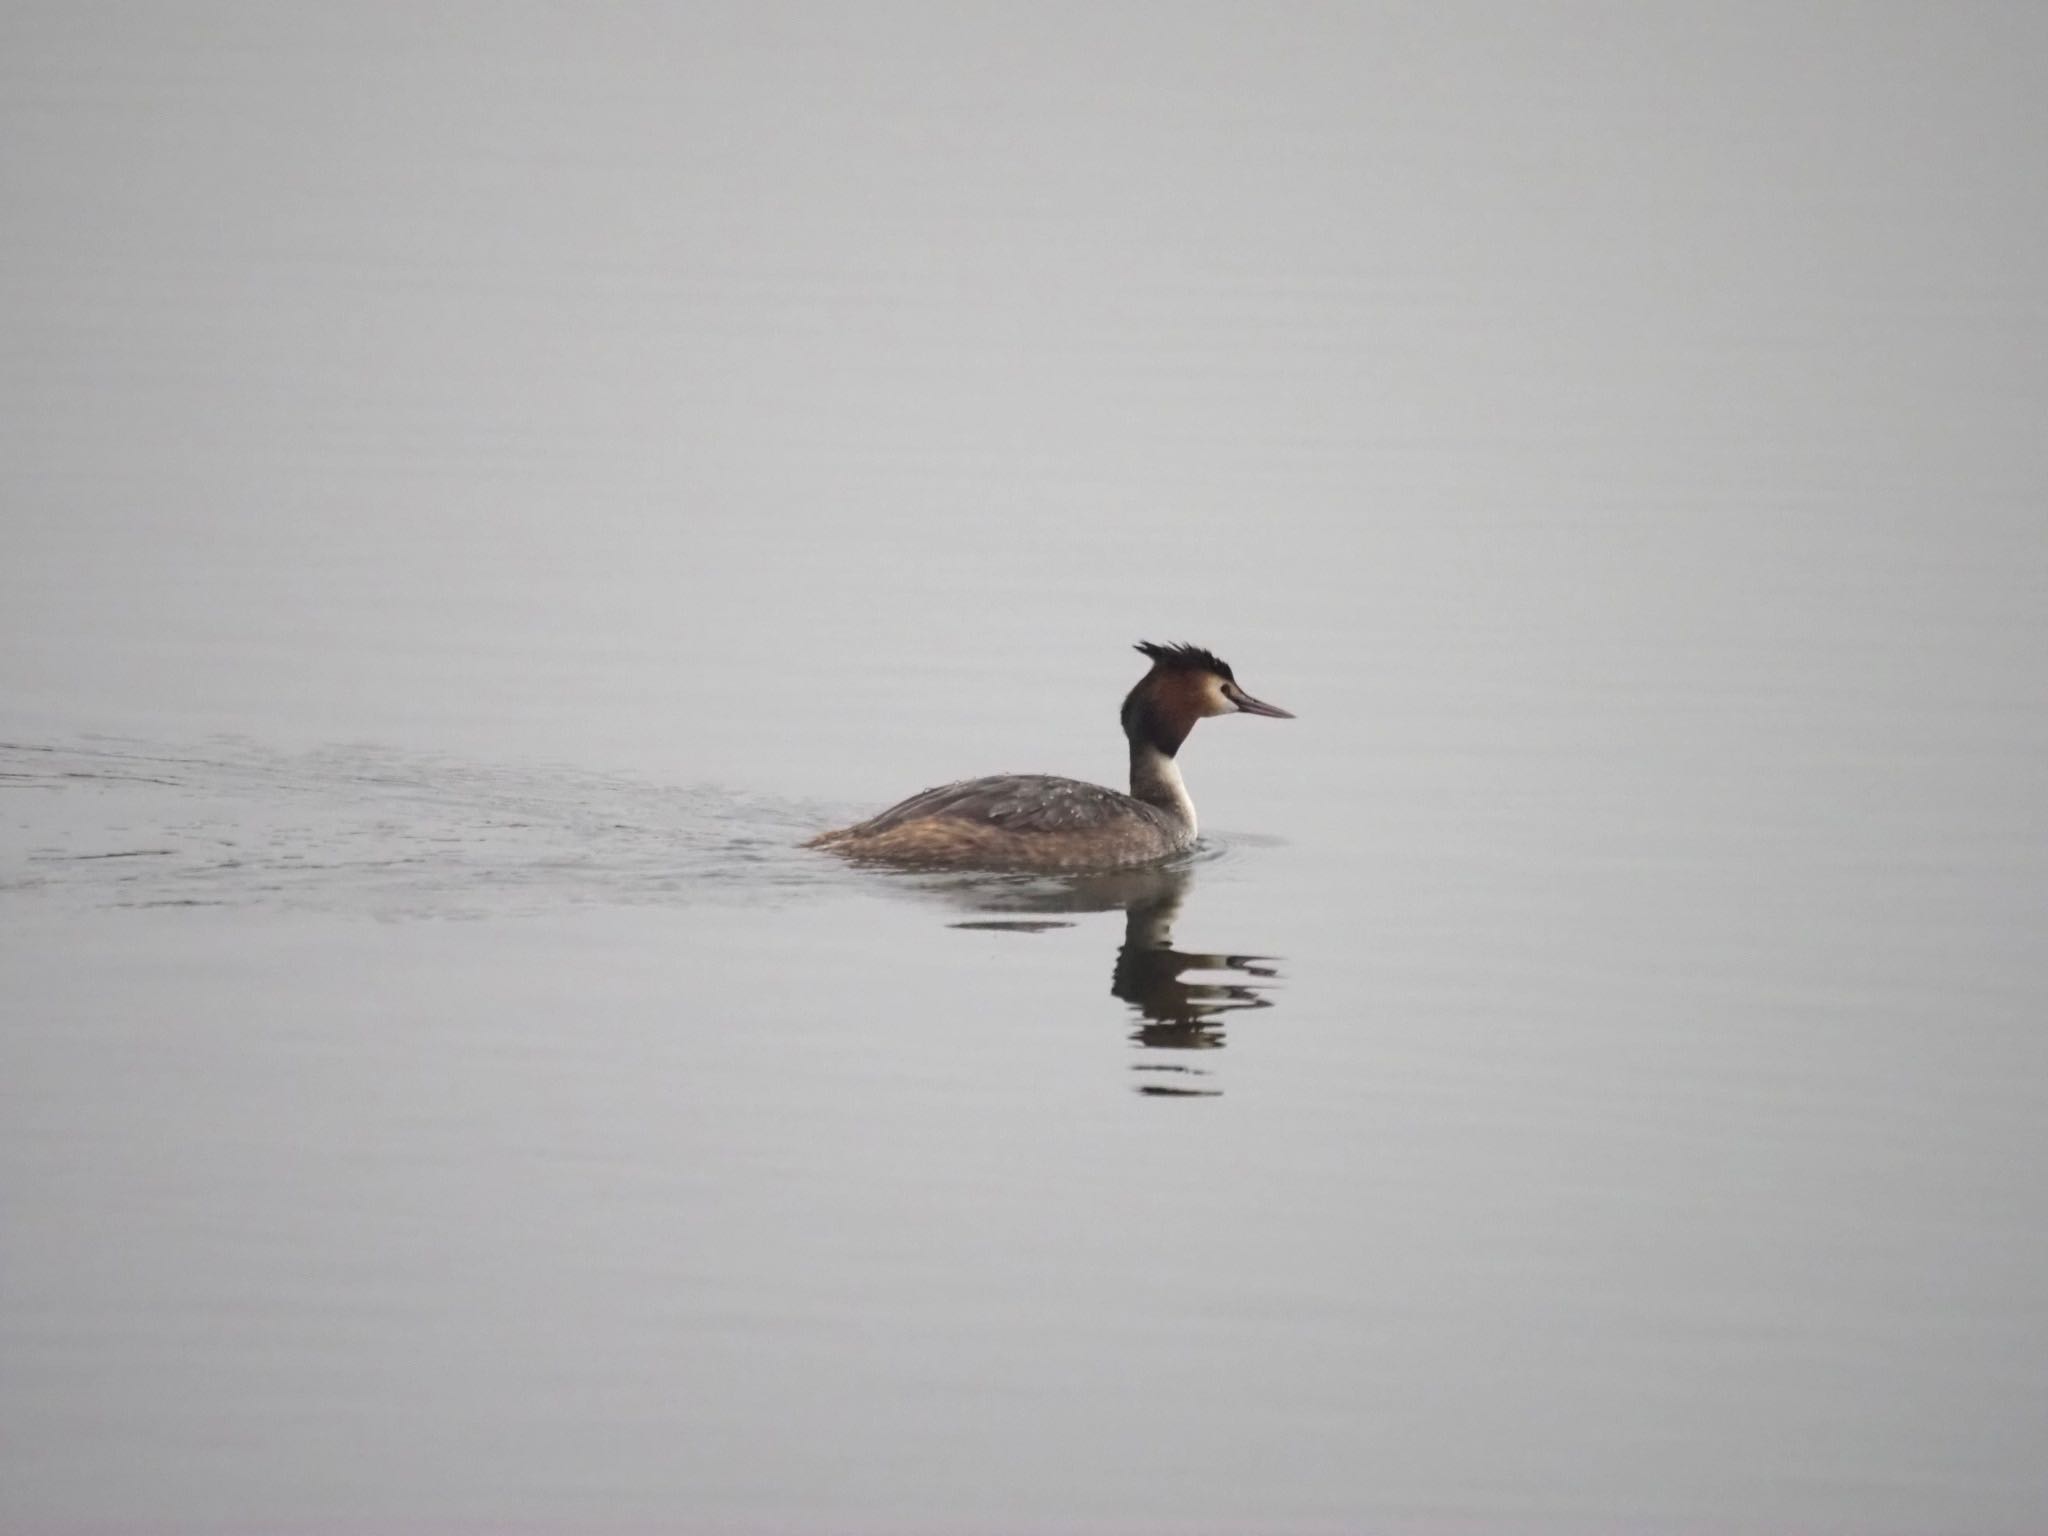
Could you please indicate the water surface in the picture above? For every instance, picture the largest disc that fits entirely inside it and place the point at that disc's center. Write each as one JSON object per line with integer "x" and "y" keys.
{"x": 479, "y": 489}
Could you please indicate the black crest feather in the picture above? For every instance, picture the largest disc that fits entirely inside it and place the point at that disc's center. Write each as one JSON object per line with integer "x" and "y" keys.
{"x": 1186, "y": 658}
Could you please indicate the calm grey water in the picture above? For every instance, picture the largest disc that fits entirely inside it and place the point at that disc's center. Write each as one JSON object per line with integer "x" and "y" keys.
{"x": 480, "y": 485}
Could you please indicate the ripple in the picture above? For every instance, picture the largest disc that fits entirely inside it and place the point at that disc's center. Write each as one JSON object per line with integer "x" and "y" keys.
{"x": 124, "y": 823}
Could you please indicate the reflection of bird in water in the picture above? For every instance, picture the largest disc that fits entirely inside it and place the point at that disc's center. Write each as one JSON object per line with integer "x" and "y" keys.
{"x": 1178, "y": 1008}
{"x": 1180, "y": 1014}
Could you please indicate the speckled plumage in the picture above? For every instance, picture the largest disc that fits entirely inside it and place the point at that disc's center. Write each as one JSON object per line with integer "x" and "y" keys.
{"x": 1044, "y": 822}
{"x": 1016, "y": 821}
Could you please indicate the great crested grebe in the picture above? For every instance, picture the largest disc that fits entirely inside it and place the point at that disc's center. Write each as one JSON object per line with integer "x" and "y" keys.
{"x": 1037, "y": 821}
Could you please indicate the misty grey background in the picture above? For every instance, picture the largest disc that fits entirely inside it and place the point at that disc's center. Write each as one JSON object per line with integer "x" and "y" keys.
{"x": 479, "y": 484}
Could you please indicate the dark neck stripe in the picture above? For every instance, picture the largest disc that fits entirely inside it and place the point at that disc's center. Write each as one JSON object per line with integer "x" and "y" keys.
{"x": 1143, "y": 721}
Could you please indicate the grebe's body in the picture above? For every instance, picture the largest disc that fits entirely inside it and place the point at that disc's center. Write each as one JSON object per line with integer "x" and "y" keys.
{"x": 1038, "y": 822}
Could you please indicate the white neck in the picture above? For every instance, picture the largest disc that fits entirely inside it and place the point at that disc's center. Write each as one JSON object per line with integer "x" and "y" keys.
{"x": 1156, "y": 780}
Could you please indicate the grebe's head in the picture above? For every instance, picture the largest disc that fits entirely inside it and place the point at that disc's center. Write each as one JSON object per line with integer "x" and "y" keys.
{"x": 1186, "y": 684}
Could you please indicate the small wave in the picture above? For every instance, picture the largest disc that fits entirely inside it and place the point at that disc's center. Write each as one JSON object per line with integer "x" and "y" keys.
{"x": 123, "y": 823}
